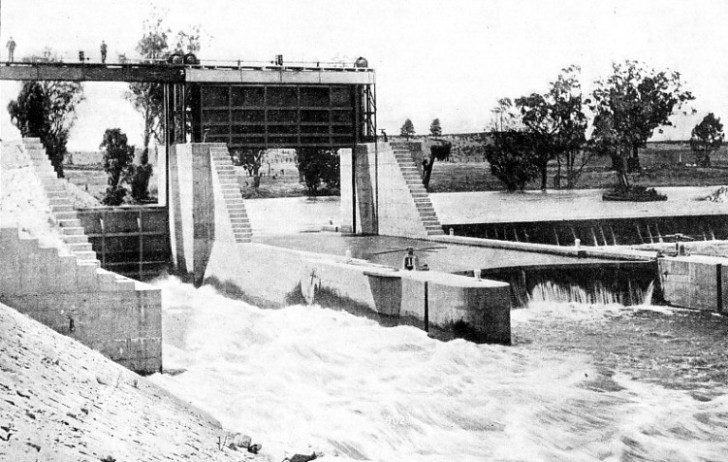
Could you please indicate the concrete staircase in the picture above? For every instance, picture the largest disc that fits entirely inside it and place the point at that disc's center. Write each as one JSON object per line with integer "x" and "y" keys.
{"x": 71, "y": 230}
{"x": 72, "y": 233}
{"x": 223, "y": 167}
{"x": 419, "y": 194}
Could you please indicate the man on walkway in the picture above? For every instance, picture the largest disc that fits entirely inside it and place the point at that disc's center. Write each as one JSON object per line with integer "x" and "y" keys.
{"x": 11, "y": 49}
{"x": 103, "y": 52}
{"x": 410, "y": 261}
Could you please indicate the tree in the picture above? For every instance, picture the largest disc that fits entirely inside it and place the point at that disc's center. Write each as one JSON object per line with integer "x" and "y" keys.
{"x": 435, "y": 128}
{"x": 47, "y": 110}
{"x": 148, "y": 97}
{"x": 511, "y": 155}
{"x": 439, "y": 151}
{"x": 706, "y": 137}
{"x": 505, "y": 117}
{"x": 628, "y": 106}
{"x": 408, "y": 129}
{"x": 118, "y": 158}
{"x": 557, "y": 125}
{"x": 140, "y": 176}
{"x": 251, "y": 160}
{"x": 317, "y": 166}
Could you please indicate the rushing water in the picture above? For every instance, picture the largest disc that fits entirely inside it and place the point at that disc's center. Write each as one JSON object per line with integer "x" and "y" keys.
{"x": 303, "y": 378}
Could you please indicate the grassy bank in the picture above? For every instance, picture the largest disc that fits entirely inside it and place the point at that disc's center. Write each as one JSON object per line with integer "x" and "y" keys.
{"x": 664, "y": 164}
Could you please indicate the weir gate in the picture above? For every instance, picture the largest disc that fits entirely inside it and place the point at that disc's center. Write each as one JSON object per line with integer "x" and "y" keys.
{"x": 245, "y": 105}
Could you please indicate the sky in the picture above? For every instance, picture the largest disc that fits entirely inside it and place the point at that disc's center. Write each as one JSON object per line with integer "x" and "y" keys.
{"x": 446, "y": 59}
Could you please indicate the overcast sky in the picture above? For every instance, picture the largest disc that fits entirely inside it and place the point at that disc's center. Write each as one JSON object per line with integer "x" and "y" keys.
{"x": 445, "y": 59}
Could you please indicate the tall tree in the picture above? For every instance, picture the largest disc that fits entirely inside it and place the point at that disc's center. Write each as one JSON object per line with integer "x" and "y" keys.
{"x": 706, "y": 137}
{"x": 557, "y": 125}
{"x": 47, "y": 110}
{"x": 408, "y": 129}
{"x": 628, "y": 106}
{"x": 148, "y": 97}
{"x": 436, "y": 128}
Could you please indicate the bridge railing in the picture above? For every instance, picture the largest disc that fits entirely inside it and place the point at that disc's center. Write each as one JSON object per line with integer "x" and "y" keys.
{"x": 203, "y": 63}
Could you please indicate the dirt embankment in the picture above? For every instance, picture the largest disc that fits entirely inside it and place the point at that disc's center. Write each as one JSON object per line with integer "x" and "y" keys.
{"x": 61, "y": 401}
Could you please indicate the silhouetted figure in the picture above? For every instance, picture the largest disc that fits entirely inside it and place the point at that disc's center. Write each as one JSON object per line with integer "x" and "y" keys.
{"x": 384, "y": 134}
{"x": 11, "y": 49}
{"x": 410, "y": 261}
{"x": 103, "y": 52}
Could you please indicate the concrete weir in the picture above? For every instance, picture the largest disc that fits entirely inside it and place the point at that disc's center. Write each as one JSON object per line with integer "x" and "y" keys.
{"x": 208, "y": 246}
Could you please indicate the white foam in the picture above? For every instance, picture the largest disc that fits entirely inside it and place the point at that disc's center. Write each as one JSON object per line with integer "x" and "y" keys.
{"x": 303, "y": 378}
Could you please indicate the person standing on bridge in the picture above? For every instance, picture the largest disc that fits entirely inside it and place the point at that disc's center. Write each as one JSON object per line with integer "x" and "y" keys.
{"x": 11, "y": 49}
{"x": 103, "y": 52}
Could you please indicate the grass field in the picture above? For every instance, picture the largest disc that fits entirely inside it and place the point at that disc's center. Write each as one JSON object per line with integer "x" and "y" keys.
{"x": 664, "y": 164}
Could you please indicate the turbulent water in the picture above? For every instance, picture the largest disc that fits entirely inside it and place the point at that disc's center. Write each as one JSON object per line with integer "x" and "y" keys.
{"x": 304, "y": 378}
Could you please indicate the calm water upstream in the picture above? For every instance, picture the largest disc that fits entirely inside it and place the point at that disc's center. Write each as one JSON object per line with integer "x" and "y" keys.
{"x": 581, "y": 383}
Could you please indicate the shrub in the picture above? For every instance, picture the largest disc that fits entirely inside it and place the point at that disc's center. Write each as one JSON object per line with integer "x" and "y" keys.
{"x": 318, "y": 166}
{"x": 140, "y": 175}
{"x": 118, "y": 157}
{"x": 512, "y": 159}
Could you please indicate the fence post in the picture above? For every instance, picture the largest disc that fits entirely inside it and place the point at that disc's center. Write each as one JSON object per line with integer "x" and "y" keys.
{"x": 719, "y": 287}
{"x": 141, "y": 245}
{"x": 427, "y": 309}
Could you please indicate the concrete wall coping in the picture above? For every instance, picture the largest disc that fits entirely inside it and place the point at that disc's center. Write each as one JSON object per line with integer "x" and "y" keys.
{"x": 436, "y": 277}
{"x": 707, "y": 259}
{"x": 580, "y": 252}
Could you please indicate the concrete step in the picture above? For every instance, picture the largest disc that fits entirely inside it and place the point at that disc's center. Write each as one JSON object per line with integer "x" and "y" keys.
{"x": 61, "y": 208}
{"x": 89, "y": 264}
{"x": 58, "y": 201}
{"x": 79, "y": 247}
{"x": 65, "y": 215}
{"x": 75, "y": 239}
{"x": 56, "y": 194}
{"x": 69, "y": 223}
{"x": 85, "y": 254}
{"x": 73, "y": 231}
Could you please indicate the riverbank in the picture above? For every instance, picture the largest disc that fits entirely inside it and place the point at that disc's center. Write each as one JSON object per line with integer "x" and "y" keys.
{"x": 61, "y": 401}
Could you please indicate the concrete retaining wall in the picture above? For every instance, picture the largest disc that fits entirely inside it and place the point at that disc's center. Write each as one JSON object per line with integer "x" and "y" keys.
{"x": 696, "y": 282}
{"x": 117, "y": 316}
{"x": 274, "y": 277}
